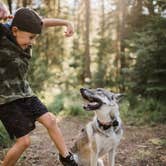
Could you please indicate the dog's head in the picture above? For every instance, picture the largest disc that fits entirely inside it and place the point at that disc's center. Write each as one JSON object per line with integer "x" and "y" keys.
{"x": 101, "y": 100}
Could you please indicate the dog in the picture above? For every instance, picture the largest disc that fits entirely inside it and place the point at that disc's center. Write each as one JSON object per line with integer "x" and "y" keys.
{"x": 102, "y": 135}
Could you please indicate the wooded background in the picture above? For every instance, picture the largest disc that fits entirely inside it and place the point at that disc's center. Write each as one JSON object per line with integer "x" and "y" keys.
{"x": 118, "y": 44}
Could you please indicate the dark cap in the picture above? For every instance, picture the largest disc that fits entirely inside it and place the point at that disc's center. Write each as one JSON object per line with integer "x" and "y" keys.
{"x": 27, "y": 20}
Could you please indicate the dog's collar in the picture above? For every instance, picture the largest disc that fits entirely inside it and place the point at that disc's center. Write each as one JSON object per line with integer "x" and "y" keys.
{"x": 113, "y": 123}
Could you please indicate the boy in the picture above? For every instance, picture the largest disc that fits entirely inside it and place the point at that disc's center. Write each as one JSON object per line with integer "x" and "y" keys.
{"x": 19, "y": 107}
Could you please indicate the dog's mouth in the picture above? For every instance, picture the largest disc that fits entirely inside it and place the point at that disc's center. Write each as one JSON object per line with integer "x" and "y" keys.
{"x": 92, "y": 102}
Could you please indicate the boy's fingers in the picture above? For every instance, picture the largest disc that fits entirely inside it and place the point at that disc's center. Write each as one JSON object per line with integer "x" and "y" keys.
{"x": 4, "y": 16}
{"x": 68, "y": 34}
{"x": 10, "y": 16}
{"x": 4, "y": 12}
{"x": 69, "y": 31}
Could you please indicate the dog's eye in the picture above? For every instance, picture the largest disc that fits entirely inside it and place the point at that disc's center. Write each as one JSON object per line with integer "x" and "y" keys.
{"x": 112, "y": 97}
{"x": 99, "y": 90}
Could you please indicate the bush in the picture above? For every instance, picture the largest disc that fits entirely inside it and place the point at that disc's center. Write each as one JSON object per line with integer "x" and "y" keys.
{"x": 76, "y": 110}
{"x": 57, "y": 105}
{"x": 68, "y": 104}
{"x": 73, "y": 110}
{"x": 72, "y": 105}
{"x": 144, "y": 111}
{"x": 4, "y": 137}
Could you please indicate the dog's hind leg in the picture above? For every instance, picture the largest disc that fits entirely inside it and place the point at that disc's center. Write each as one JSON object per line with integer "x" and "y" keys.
{"x": 93, "y": 159}
{"x": 111, "y": 156}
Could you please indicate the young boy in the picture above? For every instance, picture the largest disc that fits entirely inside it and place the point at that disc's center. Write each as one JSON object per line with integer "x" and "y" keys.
{"x": 19, "y": 107}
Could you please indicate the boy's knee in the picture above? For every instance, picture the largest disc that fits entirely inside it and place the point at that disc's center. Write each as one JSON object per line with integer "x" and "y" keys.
{"x": 51, "y": 121}
{"x": 24, "y": 141}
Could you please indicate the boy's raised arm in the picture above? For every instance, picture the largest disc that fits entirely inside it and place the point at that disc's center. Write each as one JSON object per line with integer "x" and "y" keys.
{"x": 4, "y": 12}
{"x": 50, "y": 22}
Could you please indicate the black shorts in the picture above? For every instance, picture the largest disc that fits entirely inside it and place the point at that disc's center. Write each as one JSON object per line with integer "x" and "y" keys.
{"x": 19, "y": 116}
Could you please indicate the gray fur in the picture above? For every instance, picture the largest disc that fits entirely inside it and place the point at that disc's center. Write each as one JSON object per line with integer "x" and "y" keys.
{"x": 95, "y": 142}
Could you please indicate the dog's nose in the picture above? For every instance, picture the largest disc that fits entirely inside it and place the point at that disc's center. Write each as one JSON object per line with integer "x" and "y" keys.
{"x": 82, "y": 89}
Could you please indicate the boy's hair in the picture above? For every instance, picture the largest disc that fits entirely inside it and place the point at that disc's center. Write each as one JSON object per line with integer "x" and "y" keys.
{"x": 27, "y": 20}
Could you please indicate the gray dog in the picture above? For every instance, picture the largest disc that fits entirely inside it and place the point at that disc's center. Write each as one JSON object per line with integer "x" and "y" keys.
{"x": 101, "y": 135}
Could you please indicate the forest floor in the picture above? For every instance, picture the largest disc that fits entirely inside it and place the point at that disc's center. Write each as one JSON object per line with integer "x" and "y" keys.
{"x": 140, "y": 146}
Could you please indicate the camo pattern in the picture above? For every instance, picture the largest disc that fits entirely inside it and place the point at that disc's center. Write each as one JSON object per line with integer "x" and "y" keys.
{"x": 14, "y": 64}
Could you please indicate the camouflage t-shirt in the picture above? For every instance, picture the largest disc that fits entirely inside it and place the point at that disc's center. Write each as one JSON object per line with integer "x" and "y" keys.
{"x": 14, "y": 64}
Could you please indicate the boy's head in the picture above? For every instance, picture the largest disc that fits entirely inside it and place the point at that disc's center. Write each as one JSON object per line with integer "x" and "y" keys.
{"x": 25, "y": 25}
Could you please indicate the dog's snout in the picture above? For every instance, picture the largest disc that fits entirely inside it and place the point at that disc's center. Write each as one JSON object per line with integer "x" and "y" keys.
{"x": 82, "y": 89}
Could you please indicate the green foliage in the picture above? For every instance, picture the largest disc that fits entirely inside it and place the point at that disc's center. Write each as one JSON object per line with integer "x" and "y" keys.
{"x": 57, "y": 105}
{"x": 99, "y": 80}
{"x": 38, "y": 73}
{"x": 4, "y": 137}
{"x": 68, "y": 104}
{"x": 75, "y": 110}
{"x": 143, "y": 36}
{"x": 104, "y": 48}
{"x": 150, "y": 70}
{"x": 144, "y": 111}
{"x": 152, "y": 107}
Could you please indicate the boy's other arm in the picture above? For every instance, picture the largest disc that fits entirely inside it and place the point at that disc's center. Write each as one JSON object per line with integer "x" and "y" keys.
{"x": 51, "y": 22}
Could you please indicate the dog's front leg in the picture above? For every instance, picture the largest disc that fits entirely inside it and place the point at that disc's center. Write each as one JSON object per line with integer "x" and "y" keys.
{"x": 93, "y": 159}
{"x": 111, "y": 156}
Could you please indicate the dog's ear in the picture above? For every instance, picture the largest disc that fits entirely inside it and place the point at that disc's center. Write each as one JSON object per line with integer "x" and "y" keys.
{"x": 118, "y": 96}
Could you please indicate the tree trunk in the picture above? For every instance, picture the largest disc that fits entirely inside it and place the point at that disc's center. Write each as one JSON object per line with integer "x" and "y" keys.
{"x": 120, "y": 45}
{"x": 10, "y": 5}
{"x": 122, "y": 33}
{"x": 118, "y": 41}
{"x": 87, "y": 73}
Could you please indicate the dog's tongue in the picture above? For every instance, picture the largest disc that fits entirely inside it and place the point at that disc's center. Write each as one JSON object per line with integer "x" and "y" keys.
{"x": 91, "y": 106}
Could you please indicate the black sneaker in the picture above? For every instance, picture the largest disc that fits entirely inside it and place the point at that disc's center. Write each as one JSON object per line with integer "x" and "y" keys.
{"x": 68, "y": 161}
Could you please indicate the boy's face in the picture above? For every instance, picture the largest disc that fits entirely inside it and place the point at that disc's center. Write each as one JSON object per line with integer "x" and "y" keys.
{"x": 24, "y": 39}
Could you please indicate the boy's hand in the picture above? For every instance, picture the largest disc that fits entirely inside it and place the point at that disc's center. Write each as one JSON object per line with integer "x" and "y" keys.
{"x": 4, "y": 12}
{"x": 69, "y": 31}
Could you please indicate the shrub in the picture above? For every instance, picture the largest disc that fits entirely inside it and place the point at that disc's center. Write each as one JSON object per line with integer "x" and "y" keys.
{"x": 68, "y": 104}
{"x": 144, "y": 111}
{"x": 73, "y": 110}
{"x": 57, "y": 105}
{"x": 76, "y": 110}
{"x": 4, "y": 138}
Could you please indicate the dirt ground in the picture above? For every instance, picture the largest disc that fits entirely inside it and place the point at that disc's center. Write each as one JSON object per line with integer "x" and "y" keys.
{"x": 140, "y": 146}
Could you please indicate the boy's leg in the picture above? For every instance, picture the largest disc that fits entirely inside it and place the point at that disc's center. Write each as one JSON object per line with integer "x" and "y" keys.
{"x": 49, "y": 121}
{"x": 15, "y": 152}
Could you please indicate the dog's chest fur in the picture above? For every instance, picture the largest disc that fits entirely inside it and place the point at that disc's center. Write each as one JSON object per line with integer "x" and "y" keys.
{"x": 103, "y": 140}
{"x": 90, "y": 139}
{"x": 106, "y": 143}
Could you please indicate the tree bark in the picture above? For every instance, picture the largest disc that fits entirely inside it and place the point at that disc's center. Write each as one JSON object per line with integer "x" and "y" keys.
{"x": 10, "y": 5}
{"x": 87, "y": 72}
